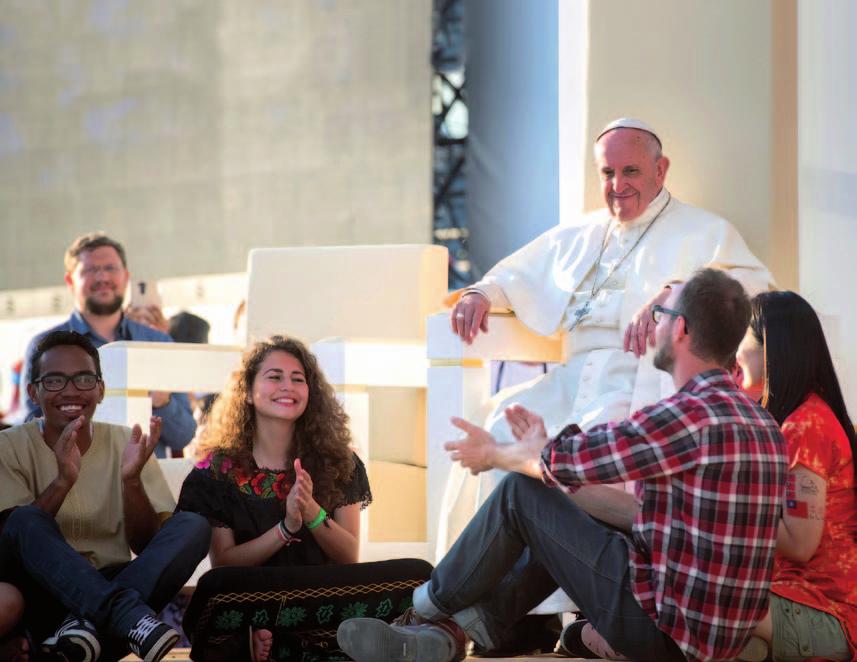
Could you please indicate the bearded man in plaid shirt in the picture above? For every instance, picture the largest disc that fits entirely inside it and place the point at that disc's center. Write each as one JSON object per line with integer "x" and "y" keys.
{"x": 679, "y": 571}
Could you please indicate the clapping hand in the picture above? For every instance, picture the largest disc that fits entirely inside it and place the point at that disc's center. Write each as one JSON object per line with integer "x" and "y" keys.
{"x": 300, "y": 504}
{"x": 67, "y": 452}
{"x": 475, "y": 451}
{"x": 139, "y": 448}
{"x": 526, "y": 425}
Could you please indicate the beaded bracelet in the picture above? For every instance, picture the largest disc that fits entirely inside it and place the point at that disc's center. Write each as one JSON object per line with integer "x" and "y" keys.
{"x": 285, "y": 535}
{"x": 322, "y": 515}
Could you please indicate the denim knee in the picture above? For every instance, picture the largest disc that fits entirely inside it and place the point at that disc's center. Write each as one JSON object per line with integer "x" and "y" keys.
{"x": 22, "y": 518}
{"x": 515, "y": 483}
{"x": 196, "y": 531}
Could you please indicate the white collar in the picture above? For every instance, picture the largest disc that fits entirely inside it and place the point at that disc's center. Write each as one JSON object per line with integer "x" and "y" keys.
{"x": 655, "y": 206}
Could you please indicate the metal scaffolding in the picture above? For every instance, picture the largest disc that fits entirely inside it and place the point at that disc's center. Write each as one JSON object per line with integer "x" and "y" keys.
{"x": 449, "y": 111}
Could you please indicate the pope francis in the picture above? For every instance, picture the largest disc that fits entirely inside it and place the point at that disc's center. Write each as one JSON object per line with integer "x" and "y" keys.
{"x": 596, "y": 282}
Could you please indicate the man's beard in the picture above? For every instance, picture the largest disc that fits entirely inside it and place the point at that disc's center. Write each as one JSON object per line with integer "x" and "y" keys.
{"x": 98, "y": 308}
{"x": 664, "y": 358}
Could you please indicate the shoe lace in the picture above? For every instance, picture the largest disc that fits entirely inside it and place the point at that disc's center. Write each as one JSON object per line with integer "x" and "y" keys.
{"x": 409, "y": 617}
{"x": 140, "y": 632}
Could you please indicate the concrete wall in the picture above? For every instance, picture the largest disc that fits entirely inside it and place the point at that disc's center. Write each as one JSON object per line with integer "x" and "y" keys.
{"x": 193, "y": 130}
{"x": 713, "y": 79}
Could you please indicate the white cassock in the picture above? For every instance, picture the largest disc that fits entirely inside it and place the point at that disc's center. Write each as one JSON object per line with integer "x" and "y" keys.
{"x": 550, "y": 278}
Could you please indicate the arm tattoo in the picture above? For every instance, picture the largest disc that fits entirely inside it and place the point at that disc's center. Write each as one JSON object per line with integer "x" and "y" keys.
{"x": 808, "y": 486}
{"x": 794, "y": 507}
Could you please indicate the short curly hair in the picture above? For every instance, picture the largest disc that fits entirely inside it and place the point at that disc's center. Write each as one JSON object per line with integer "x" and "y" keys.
{"x": 89, "y": 242}
{"x": 322, "y": 439}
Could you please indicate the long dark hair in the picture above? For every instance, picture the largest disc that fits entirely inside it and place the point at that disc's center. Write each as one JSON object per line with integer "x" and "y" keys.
{"x": 797, "y": 360}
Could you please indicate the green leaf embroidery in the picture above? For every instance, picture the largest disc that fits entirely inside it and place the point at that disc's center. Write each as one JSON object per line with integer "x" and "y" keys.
{"x": 384, "y": 608}
{"x": 291, "y": 616}
{"x": 354, "y": 610}
{"x": 324, "y": 613}
{"x": 229, "y": 620}
{"x": 261, "y": 618}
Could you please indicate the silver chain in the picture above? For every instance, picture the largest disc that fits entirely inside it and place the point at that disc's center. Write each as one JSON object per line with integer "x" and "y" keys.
{"x": 583, "y": 311}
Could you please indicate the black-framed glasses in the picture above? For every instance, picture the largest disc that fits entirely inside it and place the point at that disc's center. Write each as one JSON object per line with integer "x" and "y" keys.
{"x": 83, "y": 381}
{"x": 659, "y": 311}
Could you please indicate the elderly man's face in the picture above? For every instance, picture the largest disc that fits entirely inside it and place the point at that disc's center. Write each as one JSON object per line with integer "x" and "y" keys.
{"x": 631, "y": 172}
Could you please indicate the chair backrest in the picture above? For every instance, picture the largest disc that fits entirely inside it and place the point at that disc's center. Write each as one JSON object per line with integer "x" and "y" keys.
{"x": 359, "y": 292}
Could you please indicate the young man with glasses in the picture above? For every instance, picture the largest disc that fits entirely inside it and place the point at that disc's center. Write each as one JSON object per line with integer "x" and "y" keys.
{"x": 77, "y": 498}
{"x": 679, "y": 571}
{"x": 97, "y": 275}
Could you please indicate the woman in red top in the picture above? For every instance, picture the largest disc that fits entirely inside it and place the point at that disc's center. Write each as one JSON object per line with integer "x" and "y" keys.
{"x": 784, "y": 360}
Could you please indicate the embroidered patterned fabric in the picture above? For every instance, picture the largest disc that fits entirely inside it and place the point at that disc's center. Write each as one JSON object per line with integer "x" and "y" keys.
{"x": 251, "y": 504}
{"x": 301, "y": 606}
{"x": 711, "y": 470}
{"x": 828, "y": 581}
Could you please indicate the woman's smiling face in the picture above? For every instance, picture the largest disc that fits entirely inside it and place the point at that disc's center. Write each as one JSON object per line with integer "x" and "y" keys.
{"x": 280, "y": 389}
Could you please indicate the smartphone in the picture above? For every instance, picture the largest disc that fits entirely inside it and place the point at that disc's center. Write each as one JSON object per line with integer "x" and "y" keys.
{"x": 145, "y": 293}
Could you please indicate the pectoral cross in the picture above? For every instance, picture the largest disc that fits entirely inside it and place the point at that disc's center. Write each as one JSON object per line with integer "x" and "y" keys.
{"x": 579, "y": 314}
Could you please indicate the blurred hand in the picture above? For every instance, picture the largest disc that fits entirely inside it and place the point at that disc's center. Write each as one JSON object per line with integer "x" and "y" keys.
{"x": 525, "y": 425}
{"x": 475, "y": 451}
{"x": 159, "y": 399}
{"x": 300, "y": 505}
{"x": 469, "y": 316}
{"x": 151, "y": 316}
{"x": 641, "y": 330}
{"x": 67, "y": 452}
{"x": 139, "y": 449}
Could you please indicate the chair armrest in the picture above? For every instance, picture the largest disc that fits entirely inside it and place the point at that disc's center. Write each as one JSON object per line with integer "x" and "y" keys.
{"x": 507, "y": 339}
{"x": 167, "y": 366}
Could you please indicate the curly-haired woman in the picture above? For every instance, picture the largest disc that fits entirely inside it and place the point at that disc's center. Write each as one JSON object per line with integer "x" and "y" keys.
{"x": 281, "y": 487}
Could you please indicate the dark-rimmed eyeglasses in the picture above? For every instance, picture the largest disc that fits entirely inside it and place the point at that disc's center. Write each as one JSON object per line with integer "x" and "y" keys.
{"x": 659, "y": 311}
{"x": 83, "y": 381}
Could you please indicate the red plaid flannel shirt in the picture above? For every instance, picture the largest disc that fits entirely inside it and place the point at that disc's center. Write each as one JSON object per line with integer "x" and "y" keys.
{"x": 710, "y": 466}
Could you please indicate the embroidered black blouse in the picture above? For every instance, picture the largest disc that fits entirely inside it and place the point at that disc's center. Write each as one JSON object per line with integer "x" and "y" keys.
{"x": 252, "y": 503}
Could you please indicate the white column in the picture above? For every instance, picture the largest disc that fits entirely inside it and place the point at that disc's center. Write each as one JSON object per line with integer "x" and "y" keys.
{"x": 827, "y": 175}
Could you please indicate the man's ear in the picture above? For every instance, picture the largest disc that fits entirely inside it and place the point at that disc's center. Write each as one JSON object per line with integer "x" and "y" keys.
{"x": 661, "y": 168}
{"x": 679, "y": 328}
{"x": 737, "y": 373}
{"x": 68, "y": 281}
{"x": 101, "y": 389}
{"x": 31, "y": 391}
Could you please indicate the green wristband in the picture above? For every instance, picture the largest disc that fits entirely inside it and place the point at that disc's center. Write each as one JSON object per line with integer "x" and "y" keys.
{"x": 322, "y": 515}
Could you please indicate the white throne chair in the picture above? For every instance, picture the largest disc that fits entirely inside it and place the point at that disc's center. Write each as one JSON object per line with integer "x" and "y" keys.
{"x": 363, "y": 311}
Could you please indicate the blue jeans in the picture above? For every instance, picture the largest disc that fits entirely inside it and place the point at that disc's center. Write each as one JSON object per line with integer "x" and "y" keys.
{"x": 526, "y": 540}
{"x": 56, "y": 580}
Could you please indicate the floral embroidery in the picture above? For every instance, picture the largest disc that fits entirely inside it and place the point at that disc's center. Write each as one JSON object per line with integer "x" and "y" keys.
{"x": 291, "y": 616}
{"x": 354, "y": 610}
{"x": 384, "y": 608}
{"x": 260, "y": 618}
{"x": 324, "y": 613}
{"x": 229, "y": 620}
{"x": 263, "y": 483}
